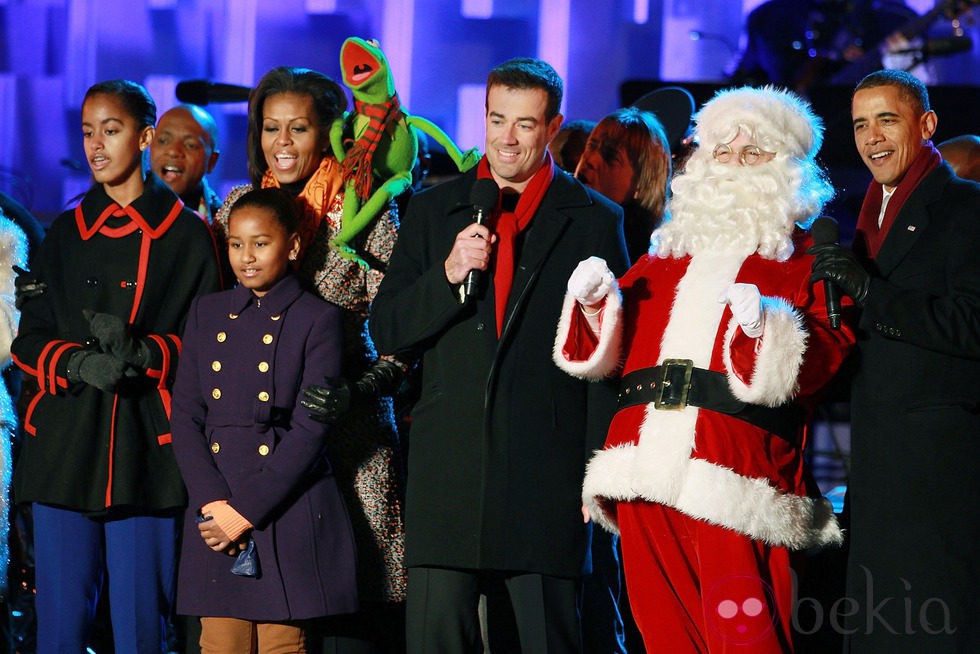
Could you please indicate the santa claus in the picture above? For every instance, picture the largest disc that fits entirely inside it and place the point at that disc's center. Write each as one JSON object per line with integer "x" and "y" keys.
{"x": 723, "y": 345}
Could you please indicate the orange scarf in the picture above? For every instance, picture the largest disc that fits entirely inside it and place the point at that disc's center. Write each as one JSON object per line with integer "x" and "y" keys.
{"x": 314, "y": 200}
{"x": 508, "y": 225}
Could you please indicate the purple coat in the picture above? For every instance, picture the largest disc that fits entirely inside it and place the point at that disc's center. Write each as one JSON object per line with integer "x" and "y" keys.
{"x": 239, "y": 433}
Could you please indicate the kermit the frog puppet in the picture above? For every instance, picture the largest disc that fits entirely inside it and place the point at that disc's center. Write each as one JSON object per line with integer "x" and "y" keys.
{"x": 375, "y": 143}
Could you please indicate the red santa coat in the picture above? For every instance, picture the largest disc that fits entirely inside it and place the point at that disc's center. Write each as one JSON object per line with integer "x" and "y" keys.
{"x": 706, "y": 464}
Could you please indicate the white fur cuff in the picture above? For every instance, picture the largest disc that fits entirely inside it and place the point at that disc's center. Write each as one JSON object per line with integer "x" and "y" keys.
{"x": 604, "y": 360}
{"x": 774, "y": 378}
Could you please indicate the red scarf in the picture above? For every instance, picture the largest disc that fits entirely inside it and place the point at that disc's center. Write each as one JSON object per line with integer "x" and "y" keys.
{"x": 509, "y": 224}
{"x": 357, "y": 164}
{"x": 868, "y": 236}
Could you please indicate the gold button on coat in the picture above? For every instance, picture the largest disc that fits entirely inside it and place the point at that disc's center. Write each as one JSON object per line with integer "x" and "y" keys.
{"x": 216, "y": 393}
{"x": 215, "y": 447}
{"x": 263, "y": 396}
{"x": 267, "y": 339}
{"x": 264, "y": 366}
{"x": 263, "y": 450}
{"x": 233, "y": 316}
{"x": 277, "y": 316}
{"x": 216, "y": 366}
{"x": 222, "y": 336}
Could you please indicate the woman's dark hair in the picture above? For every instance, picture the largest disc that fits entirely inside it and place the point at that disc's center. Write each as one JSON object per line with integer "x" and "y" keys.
{"x": 133, "y": 96}
{"x": 329, "y": 103}
{"x": 282, "y": 206}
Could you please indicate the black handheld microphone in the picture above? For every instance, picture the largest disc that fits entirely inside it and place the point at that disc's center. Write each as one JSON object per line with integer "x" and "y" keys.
{"x": 483, "y": 197}
{"x": 826, "y": 230}
{"x": 202, "y": 92}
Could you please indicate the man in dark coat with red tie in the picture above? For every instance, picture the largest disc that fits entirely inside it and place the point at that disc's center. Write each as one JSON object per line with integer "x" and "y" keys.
{"x": 500, "y": 435}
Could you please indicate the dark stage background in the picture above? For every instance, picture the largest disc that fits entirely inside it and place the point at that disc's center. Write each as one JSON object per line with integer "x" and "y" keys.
{"x": 609, "y": 52}
{"x": 439, "y": 50}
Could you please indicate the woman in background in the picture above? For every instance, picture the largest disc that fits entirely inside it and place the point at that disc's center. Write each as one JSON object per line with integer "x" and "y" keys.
{"x": 627, "y": 159}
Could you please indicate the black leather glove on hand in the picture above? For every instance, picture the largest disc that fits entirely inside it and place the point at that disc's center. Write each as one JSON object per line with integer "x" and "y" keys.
{"x": 116, "y": 340}
{"x": 840, "y": 266}
{"x": 103, "y": 371}
{"x": 328, "y": 403}
{"x": 26, "y": 286}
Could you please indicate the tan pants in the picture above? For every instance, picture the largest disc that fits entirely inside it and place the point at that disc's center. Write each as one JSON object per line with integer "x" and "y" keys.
{"x": 234, "y": 636}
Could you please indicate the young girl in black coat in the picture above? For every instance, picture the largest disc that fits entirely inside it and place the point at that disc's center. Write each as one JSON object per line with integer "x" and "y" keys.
{"x": 112, "y": 281}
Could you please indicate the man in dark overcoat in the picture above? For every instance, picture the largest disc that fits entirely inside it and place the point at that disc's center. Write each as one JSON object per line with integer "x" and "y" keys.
{"x": 500, "y": 435}
{"x": 914, "y": 488}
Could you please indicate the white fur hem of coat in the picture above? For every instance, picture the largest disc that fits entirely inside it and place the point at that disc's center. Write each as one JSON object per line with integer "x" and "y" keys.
{"x": 717, "y": 495}
{"x": 605, "y": 359}
{"x": 779, "y": 359}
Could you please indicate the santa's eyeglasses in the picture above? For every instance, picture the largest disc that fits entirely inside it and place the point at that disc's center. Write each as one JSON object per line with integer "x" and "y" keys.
{"x": 750, "y": 155}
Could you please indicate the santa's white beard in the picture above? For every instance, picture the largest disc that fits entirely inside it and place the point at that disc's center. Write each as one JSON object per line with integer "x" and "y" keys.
{"x": 741, "y": 209}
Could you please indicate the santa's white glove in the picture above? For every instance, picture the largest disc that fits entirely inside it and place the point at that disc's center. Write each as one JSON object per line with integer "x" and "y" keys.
{"x": 591, "y": 281}
{"x": 746, "y": 303}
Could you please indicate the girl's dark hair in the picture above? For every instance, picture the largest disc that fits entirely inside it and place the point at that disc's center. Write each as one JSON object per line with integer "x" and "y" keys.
{"x": 282, "y": 206}
{"x": 329, "y": 103}
{"x": 133, "y": 96}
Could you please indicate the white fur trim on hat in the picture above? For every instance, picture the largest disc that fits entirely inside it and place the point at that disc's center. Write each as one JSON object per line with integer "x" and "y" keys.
{"x": 780, "y": 120}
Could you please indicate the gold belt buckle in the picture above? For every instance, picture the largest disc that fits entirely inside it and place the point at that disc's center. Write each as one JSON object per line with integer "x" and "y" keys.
{"x": 674, "y": 401}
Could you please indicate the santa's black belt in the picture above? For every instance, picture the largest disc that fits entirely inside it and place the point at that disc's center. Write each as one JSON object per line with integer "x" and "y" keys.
{"x": 676, "y": 384}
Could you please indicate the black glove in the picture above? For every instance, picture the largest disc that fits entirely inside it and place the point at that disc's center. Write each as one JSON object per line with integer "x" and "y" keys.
{"x": 103, "y": 371}
{"x": 840, "y": 266}
{"x": 26, "y": 286}
{"x": 328, "y": 403}
{"x": 115, "y": 338}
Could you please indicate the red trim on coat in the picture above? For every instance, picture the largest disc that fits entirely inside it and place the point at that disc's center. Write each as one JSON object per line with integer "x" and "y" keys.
{"x": 28, "y": 423}
{"x": 41, "y": 360}
{"x": 88, "y": 232}
{"x": 162, "y": 228}
{"x": 53, "y": 368}
{"x": 165, "y": 396}
{"x": 119, "y": 232}
{"x": 138, "y": 221}
{"x": 143, "y": 265}
{"x": 112, "y": 449}
{"x": 164, "y": 225}
{"x": 47, "y": 383}
{"x": 23, "y": 366}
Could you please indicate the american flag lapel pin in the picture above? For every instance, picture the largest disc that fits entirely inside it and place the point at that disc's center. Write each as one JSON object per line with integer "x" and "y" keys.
{"x": 911, "y": 228}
